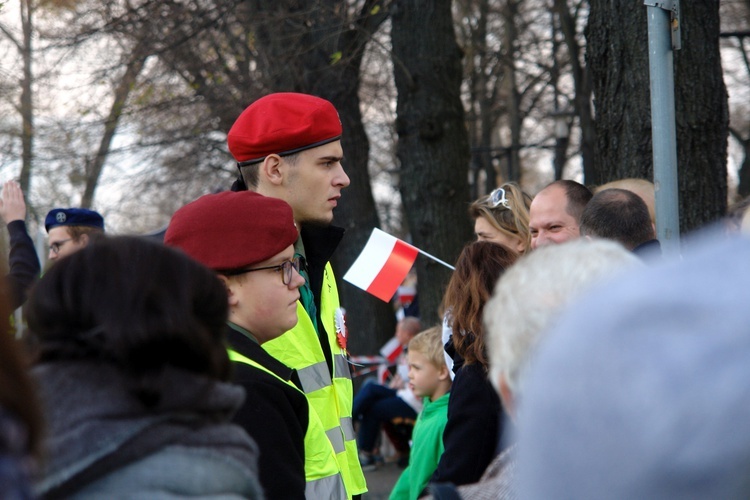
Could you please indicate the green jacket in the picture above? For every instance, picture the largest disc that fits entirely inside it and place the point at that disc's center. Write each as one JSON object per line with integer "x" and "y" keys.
{"x": 427, "y": 447}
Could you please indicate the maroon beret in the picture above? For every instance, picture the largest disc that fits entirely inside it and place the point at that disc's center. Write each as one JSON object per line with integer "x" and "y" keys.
{"x": 284, "y": 123}
{"x": 231, "y": 230}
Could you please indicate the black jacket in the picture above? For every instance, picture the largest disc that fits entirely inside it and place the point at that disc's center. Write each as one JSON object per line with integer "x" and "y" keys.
{"x": 23, "y": 263}
{"x": 275, "y": 415}
{"x": 474, "y": 427}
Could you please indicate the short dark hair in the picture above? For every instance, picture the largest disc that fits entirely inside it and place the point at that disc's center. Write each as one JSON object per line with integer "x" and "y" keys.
{"x": 577, "y": 195}
{"x": 136, "y": 304}
{"x": 620, "y": 215}
{"x": 93, "y": 233}
{"x": 251, "y": 173}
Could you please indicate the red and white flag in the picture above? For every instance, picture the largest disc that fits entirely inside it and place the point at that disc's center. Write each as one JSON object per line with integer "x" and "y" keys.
{"x": 391, "y": 350}
{"x": 382, "y": 266}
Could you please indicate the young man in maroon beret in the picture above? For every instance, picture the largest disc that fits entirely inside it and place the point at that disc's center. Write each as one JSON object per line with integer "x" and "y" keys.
{"x": 254, "y": 258}
{"x": 288, "y": 146}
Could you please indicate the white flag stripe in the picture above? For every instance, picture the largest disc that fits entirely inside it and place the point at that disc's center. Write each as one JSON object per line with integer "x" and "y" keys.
{"x": 372, "y": 259}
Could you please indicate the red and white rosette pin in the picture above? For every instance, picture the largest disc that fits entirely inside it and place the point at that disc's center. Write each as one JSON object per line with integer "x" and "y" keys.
{"x": 341, "y": 332}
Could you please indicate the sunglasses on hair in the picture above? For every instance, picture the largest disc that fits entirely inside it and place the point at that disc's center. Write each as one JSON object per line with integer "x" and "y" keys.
{"x": 497, "y": 197}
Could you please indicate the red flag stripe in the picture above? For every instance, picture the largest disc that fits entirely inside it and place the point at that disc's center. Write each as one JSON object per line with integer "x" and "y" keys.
{"x": 394, "y": 271}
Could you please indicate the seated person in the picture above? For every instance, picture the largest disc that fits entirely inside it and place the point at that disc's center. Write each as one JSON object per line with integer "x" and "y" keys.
{"x": 375, "y": 404}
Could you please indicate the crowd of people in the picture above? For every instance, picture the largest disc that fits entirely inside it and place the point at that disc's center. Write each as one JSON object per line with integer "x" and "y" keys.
{"x": 571, "y": 359}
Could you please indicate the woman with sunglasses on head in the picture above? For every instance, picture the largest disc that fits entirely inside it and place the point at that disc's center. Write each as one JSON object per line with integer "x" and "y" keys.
{"x": 500, "y": 217}
{"x": 503, "y": 217}
{"x": 248, "y": 240}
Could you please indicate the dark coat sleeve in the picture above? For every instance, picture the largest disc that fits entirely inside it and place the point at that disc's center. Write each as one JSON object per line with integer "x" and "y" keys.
{"x": 473, "y": 430}
{"x": 275, "y": 415}
{"x": 23, "y": 264}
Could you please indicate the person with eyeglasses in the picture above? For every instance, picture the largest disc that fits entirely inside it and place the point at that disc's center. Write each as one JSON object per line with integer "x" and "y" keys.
{"x": 288, "y": 146}
{"x": 71, "y": 229}
{"x": 503, "y": 217}
{"x": 253, "y": 256}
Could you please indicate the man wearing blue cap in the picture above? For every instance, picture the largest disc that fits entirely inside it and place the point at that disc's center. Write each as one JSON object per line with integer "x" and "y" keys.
{"x": 71, "y": 229}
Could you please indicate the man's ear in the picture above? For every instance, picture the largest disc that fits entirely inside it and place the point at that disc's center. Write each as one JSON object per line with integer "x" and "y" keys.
{"x": 84, "y": 240}
{"x": 271, "y": 170}
{"x": 229, "y": 285}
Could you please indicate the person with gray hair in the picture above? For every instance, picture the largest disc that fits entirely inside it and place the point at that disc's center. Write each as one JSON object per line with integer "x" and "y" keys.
{"x": 641, "y": 390}
{"x": 527, "y": 301}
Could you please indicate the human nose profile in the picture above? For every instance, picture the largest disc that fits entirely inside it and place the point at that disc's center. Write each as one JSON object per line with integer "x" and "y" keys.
{"x": 342, "y": 179}
{"x": 297, "y": 279}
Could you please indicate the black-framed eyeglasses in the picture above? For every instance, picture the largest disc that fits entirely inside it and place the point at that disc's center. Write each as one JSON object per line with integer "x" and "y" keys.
{"x": 285, "y": 268}
{"x": 56, "y": 246}
{"x": 497, "y": 197}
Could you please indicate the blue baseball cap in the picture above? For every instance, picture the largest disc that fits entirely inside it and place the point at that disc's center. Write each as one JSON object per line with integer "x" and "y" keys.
{"x": 73, "y": 217}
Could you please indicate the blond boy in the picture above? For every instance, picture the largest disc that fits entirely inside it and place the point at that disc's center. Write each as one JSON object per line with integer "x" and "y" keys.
{"x": 429, "y": 379}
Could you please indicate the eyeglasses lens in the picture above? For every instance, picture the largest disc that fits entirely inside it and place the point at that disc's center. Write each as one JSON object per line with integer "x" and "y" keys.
{"x": 287, "y": 268}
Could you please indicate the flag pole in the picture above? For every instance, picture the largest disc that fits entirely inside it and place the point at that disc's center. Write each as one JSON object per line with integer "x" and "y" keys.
{"x": 436, "y": 259}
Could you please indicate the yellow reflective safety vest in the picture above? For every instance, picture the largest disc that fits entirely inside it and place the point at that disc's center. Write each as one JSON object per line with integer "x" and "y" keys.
{"x": 331, "y": 395}
{"x": 322, "y": 476}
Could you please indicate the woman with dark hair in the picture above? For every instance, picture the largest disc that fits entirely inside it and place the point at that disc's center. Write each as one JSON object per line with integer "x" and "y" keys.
{"x": 132, "y": 371}
{"x": 475, "y": 415}
{"x": 20, "y": 415}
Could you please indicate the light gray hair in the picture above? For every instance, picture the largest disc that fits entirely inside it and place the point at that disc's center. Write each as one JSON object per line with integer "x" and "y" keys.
{"x": 530, "y": 296}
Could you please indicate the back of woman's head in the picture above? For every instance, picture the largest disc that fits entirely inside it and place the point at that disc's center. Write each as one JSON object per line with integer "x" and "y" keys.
{"x": 134, "y": 303}
{"x": 478, "y": 268}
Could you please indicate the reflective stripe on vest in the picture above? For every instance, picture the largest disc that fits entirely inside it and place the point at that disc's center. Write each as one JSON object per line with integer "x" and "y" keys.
{"x": 341, "y": 367}
{"x": 314, "y": 377}
{"x": 323, "y": 478}
{"x": 325, "y": 487}
{"x": 347, "y": 428}
{"x": 330, "y": 395}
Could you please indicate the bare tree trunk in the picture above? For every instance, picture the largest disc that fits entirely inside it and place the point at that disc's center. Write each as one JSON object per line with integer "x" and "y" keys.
{"x": 124, "y": 87}
{"x": 743, "y": 188}
{"x": 618, "y": 58}
{"x": 482, "y": 70}
{"x": 513, "y": 96}
{"x": 371, "y": 321}
{"x": 27, "y": 102}
{"x": 433, "y": 142}
{"x": 582, "y": 85}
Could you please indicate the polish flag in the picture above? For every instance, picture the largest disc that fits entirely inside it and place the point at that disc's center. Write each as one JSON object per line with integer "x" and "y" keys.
{"x": 391, "y": 350}
{"x": 382, "y": 266}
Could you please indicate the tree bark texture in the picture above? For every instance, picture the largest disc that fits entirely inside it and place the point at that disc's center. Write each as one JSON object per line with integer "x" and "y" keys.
{"x": 331, "y": 70}
{"x": 582, "y": 86}
{"x": 617, "y": 55}
{"x": 432, "y": 146}
{"x": 27, "y": 96}
{"x": 124, "y": 87}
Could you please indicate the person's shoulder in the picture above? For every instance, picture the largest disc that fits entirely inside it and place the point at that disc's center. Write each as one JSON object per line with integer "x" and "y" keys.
{"x": 181, "y": 470}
